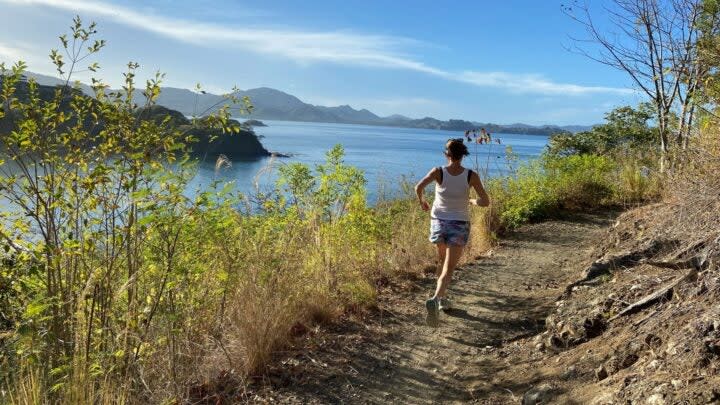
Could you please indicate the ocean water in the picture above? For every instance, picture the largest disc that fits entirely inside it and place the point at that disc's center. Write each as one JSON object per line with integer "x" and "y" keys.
{"x": 385, "y": 154}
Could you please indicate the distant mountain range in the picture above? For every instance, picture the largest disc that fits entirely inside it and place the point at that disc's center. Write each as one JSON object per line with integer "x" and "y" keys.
{"x": 271, "y": 104}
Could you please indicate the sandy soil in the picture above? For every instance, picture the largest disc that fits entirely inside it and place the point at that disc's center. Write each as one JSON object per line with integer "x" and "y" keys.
{"x": 480, "y": 353}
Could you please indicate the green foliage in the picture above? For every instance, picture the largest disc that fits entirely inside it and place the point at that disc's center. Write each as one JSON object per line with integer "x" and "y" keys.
{"x": 100, "y": 242}
{"x": 580, "y": 181}
{"x": 522, "y": 197}
{"x": 625, "y": 128}
{"x": 708, "y": 44}
{"x": 610, "y": 165}
{"x": 329, "y": 194}
{"x": 553, "y": 184}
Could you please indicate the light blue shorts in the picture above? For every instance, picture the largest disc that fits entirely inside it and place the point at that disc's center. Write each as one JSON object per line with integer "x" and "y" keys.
{"x": 453, "y": 233}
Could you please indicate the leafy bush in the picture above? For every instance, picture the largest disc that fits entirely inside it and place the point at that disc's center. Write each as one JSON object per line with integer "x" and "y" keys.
{"x": 99, "y": 239}
{"x": 580, "y": 181}
{"x": 609, "y": 166}
{"x": 625, "y": 128}
{"x": 543, "y": 188}
{"x": 521, "y": 197}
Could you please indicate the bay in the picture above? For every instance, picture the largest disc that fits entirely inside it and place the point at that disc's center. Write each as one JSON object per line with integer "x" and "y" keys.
{"x": 385, "y": 154}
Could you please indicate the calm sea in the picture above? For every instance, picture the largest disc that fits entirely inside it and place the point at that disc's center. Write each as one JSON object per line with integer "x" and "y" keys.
{"x": 385, "y": 154}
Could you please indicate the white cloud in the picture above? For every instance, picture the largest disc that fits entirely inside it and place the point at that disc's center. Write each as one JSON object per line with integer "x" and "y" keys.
{"x": 19, "y": 51}
{"x": 11, "y": 54}
{"x": 301, "y": 46}
{"x": 531, "y": 83}
{"x": 341, "y": 47}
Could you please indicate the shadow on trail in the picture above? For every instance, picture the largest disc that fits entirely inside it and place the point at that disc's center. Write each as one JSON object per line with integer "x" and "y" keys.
{"x": 462, "y": 314}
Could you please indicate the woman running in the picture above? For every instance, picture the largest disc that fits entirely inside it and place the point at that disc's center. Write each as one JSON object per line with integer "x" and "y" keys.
{"x": 449, "y": 217}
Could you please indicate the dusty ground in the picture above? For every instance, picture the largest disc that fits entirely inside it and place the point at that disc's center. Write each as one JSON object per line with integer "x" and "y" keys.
{"x": 483, "y": 352}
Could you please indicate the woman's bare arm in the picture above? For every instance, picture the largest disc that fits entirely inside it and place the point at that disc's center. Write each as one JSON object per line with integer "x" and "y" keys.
{"x": 483, "y": 199}
{"x": 433, "y": 175}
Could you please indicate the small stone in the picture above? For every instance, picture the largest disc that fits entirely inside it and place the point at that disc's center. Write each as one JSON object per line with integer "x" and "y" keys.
{"x": 660, "y": 388}
{"x": 655, "y": 399}
{"x": 653, "y": 365}
{"x": 604, "y": 399}
{"x": 570, "y": 372}
{"x": 677, "y": 384}
{"x": 635, "y": 287}
{"x": 601, "y": 373}
{"x": 537, "y": 395}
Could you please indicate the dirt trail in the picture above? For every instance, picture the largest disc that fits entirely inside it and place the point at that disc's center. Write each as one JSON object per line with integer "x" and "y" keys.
{"x": 498, "y": 299}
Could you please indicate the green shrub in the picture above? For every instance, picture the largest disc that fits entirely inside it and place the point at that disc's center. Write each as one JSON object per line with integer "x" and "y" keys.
{"x": 624, "y": 127}
{"x": 522, "y": 197}
{"x": 543, "y": 188}
{"x": 580, "y": 181}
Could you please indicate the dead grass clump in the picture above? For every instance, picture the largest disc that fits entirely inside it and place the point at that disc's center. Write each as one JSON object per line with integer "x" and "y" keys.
{"x": 694, "y": 201}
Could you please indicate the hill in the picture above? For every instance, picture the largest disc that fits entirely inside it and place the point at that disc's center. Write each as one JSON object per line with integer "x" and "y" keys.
{"x": 243, "y": 145}
{"x": 272, "y": 104}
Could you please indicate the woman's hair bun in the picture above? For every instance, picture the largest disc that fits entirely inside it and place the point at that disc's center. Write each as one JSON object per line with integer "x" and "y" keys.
{"x": 455, "y": 149}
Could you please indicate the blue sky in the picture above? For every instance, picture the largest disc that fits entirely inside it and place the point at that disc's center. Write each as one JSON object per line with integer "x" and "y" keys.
{"x": 488, "y": 61}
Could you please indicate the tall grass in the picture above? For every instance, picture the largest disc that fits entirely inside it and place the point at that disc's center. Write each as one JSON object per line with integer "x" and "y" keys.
{"x": 226, "y": 290}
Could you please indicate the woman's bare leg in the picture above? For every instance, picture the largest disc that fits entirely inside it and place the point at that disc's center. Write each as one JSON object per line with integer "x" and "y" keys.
{"x": 452, "y": 257}
{"x": 442, "y": 250}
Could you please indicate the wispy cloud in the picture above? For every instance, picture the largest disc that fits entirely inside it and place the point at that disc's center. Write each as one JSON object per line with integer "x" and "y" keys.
{"x": 10, "y": 54}
{"x": 340, "y": 47}
{"x": 532, "y": 83}
{"x": 301, "y": 46}
{"x": 19, "y": 51}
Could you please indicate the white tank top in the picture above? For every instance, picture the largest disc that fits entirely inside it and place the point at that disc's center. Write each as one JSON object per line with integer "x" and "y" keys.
{"x": 451, "y": 197}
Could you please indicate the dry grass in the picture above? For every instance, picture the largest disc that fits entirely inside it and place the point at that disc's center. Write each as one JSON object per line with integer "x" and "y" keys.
{"x": 692, "y": 205}
{"x": 672, "y": 339}
{"x": 250, "y": 285}
{"x": 316, "y": 273}
{"x": 28, "y": 389}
